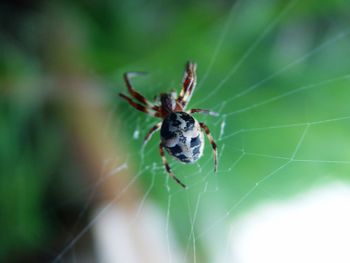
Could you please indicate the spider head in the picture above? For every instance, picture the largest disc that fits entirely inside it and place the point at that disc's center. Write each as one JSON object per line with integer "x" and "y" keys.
{"x": 168, "y": 101}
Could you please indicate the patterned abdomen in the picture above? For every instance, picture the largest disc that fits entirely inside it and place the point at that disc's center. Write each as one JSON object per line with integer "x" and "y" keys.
{"x": 182, "y": 137}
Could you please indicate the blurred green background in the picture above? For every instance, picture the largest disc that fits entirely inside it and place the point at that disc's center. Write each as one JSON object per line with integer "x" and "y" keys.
{"x": 291, "y": 59}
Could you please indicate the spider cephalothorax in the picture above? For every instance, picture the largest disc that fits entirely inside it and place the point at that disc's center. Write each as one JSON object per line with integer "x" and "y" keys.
{"x": 181, "y": 134}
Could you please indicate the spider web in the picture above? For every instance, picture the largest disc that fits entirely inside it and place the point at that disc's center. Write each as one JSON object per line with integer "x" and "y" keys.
{"x": 284, "y": 117}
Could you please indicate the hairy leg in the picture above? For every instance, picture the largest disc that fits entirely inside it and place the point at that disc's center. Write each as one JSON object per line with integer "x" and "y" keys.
{"x": 151, "y": 132}
{"x": 189, "y": 84}
{"x": 212, "y": 142}
{"x": 209, "y": 112}
{"x": 140, "y": 107}
{"x": 167, "y": 167}
{"x": 134, "y": 93}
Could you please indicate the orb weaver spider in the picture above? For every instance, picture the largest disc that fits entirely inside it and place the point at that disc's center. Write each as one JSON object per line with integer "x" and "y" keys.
{"x": 181, "y": 134}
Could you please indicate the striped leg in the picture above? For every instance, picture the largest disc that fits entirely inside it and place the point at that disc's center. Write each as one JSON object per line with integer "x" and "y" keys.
{"x": 189, "y": 84}
{"x": 212, "y": 142}
{"x": 209, "y": 112}
{"x": 134, "y": 93}
{"x": 167, "y": 167}
{"x": 151, "y": 132}
{"x": 140, "y": 107}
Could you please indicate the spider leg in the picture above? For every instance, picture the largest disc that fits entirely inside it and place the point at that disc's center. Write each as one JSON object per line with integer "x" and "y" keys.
{"x": 189, "y": 83}
{"x": 167, "y": 167}
{"x": 209, "y": 112}
{"x": 140, "y": 107}
{"x": 188, "y": 78}
{"x": 134, "y": 93}
{"x": 151, "y": 132}
{"x": 212, "y": 142}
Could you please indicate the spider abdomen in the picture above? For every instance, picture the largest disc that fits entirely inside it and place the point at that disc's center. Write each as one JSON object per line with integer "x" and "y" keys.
{"x": 182, "y": 137}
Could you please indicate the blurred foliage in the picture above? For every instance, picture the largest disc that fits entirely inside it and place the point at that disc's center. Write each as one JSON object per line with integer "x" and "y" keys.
{"x": 159, "y": 37}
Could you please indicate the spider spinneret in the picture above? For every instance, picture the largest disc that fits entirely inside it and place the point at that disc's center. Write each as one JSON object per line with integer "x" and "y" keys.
{"x": 181, "y": 134}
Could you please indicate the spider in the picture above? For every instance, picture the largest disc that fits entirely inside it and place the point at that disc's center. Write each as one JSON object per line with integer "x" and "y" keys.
{"x": 180, "y": 133}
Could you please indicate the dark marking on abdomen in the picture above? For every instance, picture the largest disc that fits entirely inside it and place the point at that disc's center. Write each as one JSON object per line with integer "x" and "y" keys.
{"x": 175, "y": 150}
{"x": 196, "y": 151}
{"x": 165, "y": 132}
{"x": 195, "y": 141}
{"x": 183, "y": 158}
